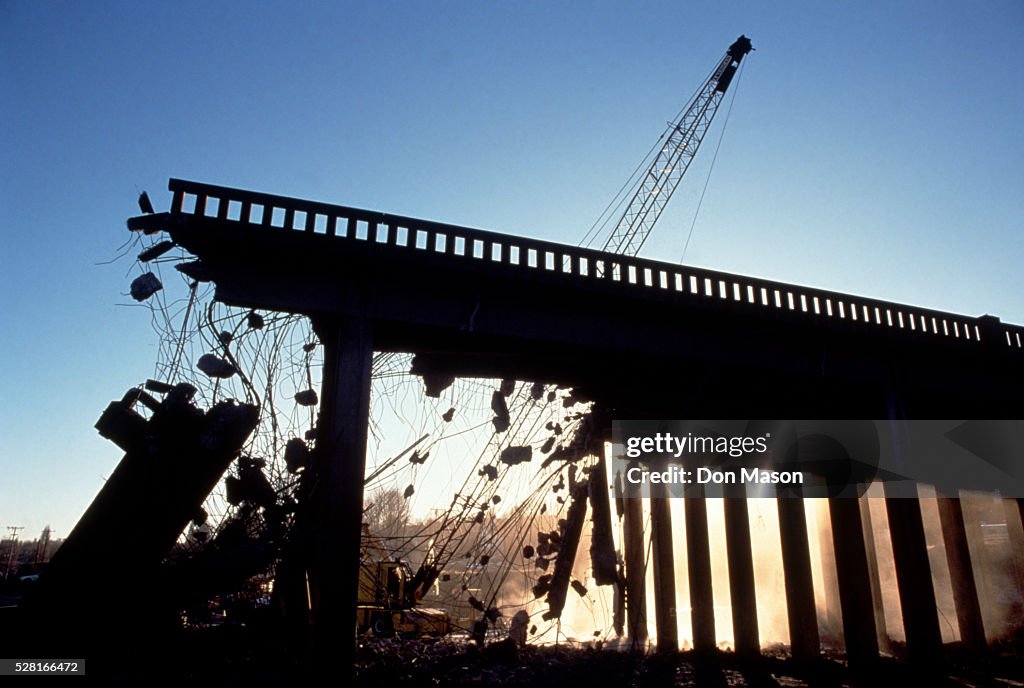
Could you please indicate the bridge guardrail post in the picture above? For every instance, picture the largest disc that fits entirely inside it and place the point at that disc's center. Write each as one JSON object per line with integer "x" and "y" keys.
{"x": 992, "y": 336}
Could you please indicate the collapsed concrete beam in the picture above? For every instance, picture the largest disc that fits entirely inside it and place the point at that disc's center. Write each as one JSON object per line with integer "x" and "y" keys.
{"x": 570, "y": 533}
{"x": 172, "y": 462}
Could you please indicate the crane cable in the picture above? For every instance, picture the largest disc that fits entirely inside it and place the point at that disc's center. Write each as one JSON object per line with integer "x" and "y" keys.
{"x": 711, "y": 169}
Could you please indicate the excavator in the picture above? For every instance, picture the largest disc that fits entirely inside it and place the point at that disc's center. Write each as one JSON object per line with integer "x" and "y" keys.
{"x": 388, "y": 604}
{"x": 388, "y": 600}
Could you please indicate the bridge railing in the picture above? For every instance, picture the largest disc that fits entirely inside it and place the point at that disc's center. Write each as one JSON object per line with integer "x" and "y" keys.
{"x": 577, "y": 264}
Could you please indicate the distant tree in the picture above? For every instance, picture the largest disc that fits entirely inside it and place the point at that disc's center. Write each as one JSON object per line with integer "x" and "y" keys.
{"x": 386, "y": 514}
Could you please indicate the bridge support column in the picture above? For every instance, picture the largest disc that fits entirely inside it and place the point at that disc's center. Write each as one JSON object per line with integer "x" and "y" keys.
{"x": 856, "y": 603}
{"x": 867, "y": 526}
{"x": 914, "y": 580}
{"x": 636, "y": 570}
{"x": 664, "y": 570}
{"x": 796, "y": 567}
{"x": 741, "y": 574}
{"x": 1014, "y": 515}
{"x": 337, "y": 499}
{"x": 698, "y": 560}
{"x": 961, "y": 574}
{"x": 830, "y": 618}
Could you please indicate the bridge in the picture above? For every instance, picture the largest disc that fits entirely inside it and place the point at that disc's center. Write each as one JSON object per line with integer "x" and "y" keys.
{"x": 474, "y": 302}
{"x": 640, "y": 337}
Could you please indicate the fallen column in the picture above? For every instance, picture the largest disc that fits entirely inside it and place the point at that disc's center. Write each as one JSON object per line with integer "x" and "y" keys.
{"x": 172, "y": 462}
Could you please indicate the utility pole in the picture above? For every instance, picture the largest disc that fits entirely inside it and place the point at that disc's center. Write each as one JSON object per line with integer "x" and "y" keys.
{"x": 13, "y": 530}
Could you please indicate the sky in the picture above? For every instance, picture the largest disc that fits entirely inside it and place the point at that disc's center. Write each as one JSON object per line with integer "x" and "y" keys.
{"x": 872, "y": 148}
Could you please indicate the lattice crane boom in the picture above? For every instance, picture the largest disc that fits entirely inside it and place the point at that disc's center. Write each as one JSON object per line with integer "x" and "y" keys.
{"x": 682, "y": 139}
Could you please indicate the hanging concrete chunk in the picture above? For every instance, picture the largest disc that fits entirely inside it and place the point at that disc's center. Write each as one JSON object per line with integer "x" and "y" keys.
{"x": 135, "y": 395}
{"x": 145, "y": 286}
{"x": 251, "y": 485}
{"x": 542, "y": 586}
{"x": 418, "y": 458}
{"x": 448, "y": 415}
{"x": 409, "y": 492}
{"x": 436, "y": 383}
{"x": 516, "y": 454}
{"x": 536, "y": 391}
{"x": 508, "y": 385}
{"x": 158, "y": 387}
{"x": 580, "y": 589}
{"x": 215, "y": 367}
{"x": 296, "y": 455}
{"x": 306, "y": 397}
{"x": 501, "y": 418}
{"x": 156, "y": 250}
{"x": 528, "y": 552}
{"x": 255, "y": 321}
{"x": 490, "y": 471}
{"x": 195, "y": 269}
{"x": 124, "y": 426}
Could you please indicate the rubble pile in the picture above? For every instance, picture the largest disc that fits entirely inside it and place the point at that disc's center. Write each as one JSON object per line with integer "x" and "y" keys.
{"x": 393, "y": 661}
{"x": 381, "y": 661}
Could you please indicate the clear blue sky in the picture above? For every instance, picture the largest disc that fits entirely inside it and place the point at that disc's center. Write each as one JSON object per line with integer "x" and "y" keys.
{"x": 875, "y": 151}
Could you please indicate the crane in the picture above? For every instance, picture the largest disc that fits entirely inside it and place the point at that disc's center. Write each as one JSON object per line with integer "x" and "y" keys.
{"x": 682, "y": 139}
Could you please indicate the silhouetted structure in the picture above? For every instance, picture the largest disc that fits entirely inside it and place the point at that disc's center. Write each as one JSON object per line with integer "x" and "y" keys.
{"x": 683, "y": 342}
